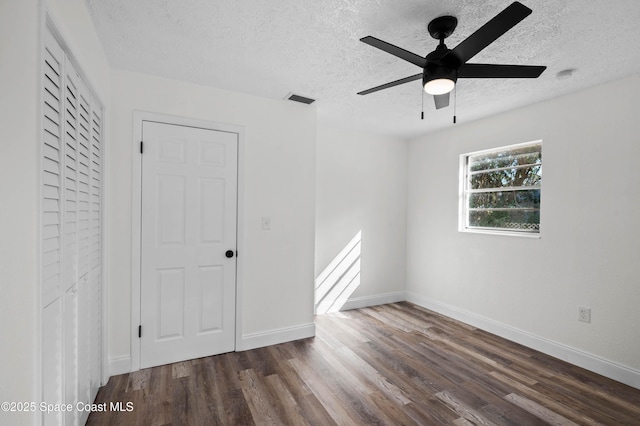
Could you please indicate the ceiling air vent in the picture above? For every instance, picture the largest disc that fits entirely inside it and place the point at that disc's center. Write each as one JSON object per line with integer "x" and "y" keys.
{"x": 298, "y": 98}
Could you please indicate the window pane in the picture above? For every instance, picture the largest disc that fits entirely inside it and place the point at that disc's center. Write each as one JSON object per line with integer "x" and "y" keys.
{"x": 508, "y": 158}
{"x": 505, "y": 199}
{"x": 502, "y": 189}
{"x": 523, "y": 176}
{"x": 528, "y": 220}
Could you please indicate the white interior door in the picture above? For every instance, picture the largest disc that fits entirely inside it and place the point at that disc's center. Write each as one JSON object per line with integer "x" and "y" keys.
{"x": 188, "y": 282}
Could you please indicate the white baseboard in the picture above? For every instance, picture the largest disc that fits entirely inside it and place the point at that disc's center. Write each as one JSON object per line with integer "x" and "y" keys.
{"x": 119, "y": 365}
{"x": 122, "y": 364}
{"x": 604, "y": 367}
{"x": 379, "y": 299}
{"x": 277, "y": 336}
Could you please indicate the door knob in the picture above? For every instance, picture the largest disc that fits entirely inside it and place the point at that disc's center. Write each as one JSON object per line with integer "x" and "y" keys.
{"x": 229, "y": 253}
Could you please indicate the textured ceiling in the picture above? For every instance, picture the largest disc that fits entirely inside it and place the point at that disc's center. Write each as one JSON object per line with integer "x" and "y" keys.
{"x": 312, "y": 48}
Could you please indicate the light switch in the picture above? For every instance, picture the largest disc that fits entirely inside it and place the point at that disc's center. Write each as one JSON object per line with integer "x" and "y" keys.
{"x": 266, "y": 223}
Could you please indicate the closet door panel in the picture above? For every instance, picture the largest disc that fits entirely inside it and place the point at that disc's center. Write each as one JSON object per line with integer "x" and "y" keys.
{"x": 70, "y": 181}
{"x": 52, "y": 145}
{"x": 71, "y": 354}
{"x": 52, "y": 360}
{"x": 52, "y": 158}
{"x": 84, "y": 320}
{"x": 95, "y": 273}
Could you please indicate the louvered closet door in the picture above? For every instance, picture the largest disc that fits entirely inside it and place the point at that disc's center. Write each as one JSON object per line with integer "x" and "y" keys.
{"x": 71, "y": 284}
{"x": 51, "y": 272}
{"x": 72, "y": 251}
{"x": 95, "y": 254}
{"x": 84, "y": 142}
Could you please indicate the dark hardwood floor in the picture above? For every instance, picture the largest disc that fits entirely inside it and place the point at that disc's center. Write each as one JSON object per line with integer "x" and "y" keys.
{"x": 393, "y": 364}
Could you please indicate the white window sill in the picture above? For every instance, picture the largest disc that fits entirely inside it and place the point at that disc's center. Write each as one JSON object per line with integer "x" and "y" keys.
{"x": 500, "y": 232}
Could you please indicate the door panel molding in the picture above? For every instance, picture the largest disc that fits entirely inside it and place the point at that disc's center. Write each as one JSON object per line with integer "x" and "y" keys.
{"x": 136, "y": 213}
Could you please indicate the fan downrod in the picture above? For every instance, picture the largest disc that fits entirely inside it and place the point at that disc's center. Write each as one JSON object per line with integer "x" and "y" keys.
{"x": 442, "y": 27}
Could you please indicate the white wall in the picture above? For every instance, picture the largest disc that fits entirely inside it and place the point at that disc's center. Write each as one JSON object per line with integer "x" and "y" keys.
{"x": 19, "y": 57}
{"x": 361, "y": 186}
{"x": 20, "y": 43}
{"x": 530, "y": 289}
{"x": 279, "y": 182}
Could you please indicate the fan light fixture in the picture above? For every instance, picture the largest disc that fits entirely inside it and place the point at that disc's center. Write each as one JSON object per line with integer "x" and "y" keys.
{"x": 439, "y": 80}
{"x": 439, "y": 86}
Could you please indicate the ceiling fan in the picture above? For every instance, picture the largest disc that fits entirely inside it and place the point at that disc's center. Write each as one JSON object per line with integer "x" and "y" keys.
{"x": 442, "y": 67}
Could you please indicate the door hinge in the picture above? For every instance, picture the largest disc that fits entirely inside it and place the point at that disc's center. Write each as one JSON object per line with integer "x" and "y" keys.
{"x": 141, "y": 143}
{"x": 139, "y": 331}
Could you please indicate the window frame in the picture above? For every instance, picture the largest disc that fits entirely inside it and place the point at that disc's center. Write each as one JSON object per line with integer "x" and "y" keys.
{"x": 464, "y": 192}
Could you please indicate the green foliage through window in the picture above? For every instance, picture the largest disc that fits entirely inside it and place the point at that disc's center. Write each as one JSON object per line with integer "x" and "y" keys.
{"x": 502, "y": 188}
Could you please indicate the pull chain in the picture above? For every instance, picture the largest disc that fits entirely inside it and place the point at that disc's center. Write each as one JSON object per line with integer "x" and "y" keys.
{"x": 455, "y": 99}
{"x": 422, "y": 114}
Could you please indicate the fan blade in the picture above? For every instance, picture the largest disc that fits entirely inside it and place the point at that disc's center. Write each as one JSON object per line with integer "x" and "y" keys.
{"x": 441, "y": 100}
{"x": 395, "y": 50}
{"x": 499, "y": 71}
{"x": 487, "y": 34}
{"x": 393, "y": 83}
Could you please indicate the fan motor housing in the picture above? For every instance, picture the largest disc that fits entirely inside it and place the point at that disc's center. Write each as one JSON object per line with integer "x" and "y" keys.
{"x": 439, "y": 53}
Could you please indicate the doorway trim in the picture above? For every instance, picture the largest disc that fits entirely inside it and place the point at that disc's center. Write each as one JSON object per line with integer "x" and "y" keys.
{"x": 136, "y": 217}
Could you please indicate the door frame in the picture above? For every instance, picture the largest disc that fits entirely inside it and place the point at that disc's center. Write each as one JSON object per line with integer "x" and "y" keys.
{"x": 136, "y": 218}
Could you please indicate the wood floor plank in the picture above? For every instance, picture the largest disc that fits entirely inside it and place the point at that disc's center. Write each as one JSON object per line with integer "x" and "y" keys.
{"x": 551, "y": 403}
{"x": 139, "y": 379}
{"x": 257, "y": 398}
{"x": 339, "y": 412}
{"x": 349, "y": 387}
{"x": 291, "y": 412}
{"x": 504, "y": 413}
{"x": 209, "y": 392}
{"x": 466, "y": 412}
{"x": 395, "y": 364}
{"x": 347, "y": 363}
{"x": 544, "y": 414}
{"x": 181, "y": 369}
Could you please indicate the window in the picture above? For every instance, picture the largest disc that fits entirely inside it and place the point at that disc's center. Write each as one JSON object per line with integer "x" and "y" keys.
{"x": 500, "y": 190}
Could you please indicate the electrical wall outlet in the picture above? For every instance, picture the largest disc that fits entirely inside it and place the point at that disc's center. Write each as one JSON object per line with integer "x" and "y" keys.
{"x": 584, "y": 314}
